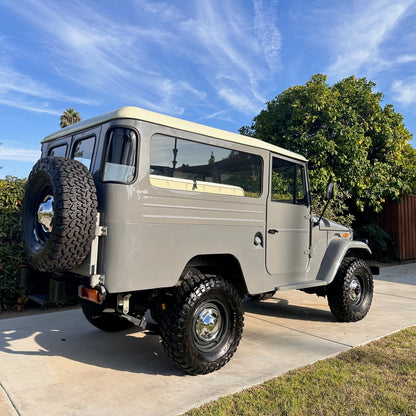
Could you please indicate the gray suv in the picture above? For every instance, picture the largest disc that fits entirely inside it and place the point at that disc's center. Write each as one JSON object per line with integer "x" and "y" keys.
{"x": 145, "y": 212}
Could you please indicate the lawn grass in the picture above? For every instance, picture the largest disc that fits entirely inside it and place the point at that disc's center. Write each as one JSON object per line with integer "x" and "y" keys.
{"x": 378, "y": 378}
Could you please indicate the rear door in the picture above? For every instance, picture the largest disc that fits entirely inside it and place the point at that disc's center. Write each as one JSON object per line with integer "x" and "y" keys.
{"x": 288, "y": 219}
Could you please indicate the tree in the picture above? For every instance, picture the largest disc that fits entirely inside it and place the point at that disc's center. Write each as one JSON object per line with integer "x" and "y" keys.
{"x": 347, "y": 136}
{"x": 68, "y": 117}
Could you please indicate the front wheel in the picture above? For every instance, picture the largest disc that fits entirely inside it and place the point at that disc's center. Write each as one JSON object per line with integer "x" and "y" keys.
{"x": 351, "y": 292}
{"x": 203, "y": 323}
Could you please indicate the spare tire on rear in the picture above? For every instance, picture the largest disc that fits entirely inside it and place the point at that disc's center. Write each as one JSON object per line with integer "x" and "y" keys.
{"x": 59, "y": 214}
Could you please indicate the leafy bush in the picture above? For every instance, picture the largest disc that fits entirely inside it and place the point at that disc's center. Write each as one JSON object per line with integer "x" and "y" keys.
{"x": 337, "y": 209}
{"x": 11, "y": 247}
{"x": 381, "y": 243}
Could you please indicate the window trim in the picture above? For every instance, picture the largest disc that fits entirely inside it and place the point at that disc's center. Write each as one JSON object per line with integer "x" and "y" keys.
{"x": 105, "y": 152}
{"x": 80, "y": 139}
{"x": 303, "y": 167}
{"x": 220, "y": 146}
{"x": 55, "y": 147}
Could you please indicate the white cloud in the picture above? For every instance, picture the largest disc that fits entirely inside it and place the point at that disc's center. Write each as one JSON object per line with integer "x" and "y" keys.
{"x": 14, "y": 82}
{"x": 163, "y": 12}
{"x": 111, "y": 57}
{"x": 30, "y": 106}
{"x": 361, "y": 31}
{"x": 18, "y": 154}
{"x": 223, "y": 115}
{"x": 220, "y": 38}
{"x": 404, "y": 92}
{"x": 266, "y": 29}
{"x": 239, "y": 101}
{"x": 406, "y": 59}
{"x": 239, "y": 53}
{"x": 22, "y": 91}
{"x": 214, "y": 48}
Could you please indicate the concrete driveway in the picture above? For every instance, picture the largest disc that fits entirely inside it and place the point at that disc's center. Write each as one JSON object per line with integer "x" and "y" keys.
{"x": 58, "y": 364}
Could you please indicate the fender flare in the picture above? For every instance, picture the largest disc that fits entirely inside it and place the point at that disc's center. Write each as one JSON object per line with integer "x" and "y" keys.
{"x": 335, "y": 253}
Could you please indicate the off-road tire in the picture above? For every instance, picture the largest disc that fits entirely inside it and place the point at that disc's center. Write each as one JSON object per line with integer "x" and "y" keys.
{"x": 74, "y": 214}
{"x": 109, "y": 322}
{"x": 189, "y": 342}
{"x": 351, "y": 292}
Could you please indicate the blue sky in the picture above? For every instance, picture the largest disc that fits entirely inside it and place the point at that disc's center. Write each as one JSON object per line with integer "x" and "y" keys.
{"x": 208, "y": 61}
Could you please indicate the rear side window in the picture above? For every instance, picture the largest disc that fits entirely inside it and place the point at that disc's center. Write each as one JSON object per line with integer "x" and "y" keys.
{"x": 120, "y": 156}
{"x": 83, "y": 151}
{"x": 58, "y": 151}
{"x": 192, "y": 166}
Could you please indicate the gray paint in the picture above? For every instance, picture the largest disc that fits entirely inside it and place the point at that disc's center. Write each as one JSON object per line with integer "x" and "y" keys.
{"x": 152, "y": 233}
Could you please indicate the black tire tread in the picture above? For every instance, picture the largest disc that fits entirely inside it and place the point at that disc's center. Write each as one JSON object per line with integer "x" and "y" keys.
{"x": 75, "y": 209}
{"x": 175, "y": 339}
{"x": 337, "y": 291}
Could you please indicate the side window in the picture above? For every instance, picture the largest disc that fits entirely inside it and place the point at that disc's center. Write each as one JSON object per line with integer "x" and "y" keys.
{"x": 288, "y": 182}
{"x": 191, "y": 166}
{"x": 120, "y": 156}
{"x": 83, "y": 151}
{"x": 58, "y": 151}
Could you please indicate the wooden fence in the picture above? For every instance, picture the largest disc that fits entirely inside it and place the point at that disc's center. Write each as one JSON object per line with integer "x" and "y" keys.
{"x": 399, "y": 219}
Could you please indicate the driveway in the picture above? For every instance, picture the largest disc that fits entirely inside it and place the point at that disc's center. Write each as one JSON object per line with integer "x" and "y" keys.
{"x": 58, "y": 364}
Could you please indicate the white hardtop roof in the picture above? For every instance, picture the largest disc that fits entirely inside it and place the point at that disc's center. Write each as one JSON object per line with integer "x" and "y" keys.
{"x": 137, "y": 113}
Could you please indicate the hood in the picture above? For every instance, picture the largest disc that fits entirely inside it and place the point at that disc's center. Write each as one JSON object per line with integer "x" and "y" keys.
{"x": 328, "y": 225}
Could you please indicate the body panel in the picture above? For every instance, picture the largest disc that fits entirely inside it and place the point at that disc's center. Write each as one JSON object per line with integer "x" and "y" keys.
{"x": 156, "y": 225}
{"x": 335, "y": 252}
{"x": 153, "y": 232}
{"x": 287, "y": 239}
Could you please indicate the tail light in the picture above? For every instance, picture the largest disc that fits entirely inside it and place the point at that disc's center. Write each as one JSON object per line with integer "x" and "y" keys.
{"x": 96, "y": 295}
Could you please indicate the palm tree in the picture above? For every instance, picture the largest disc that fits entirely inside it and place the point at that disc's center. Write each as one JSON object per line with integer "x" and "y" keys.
{"x": 69, "y": 116}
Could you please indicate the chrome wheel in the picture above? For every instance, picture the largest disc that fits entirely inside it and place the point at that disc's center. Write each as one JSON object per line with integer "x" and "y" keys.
{"x": 208, "y": 323}
{"x": 355, "y": 290}
{"x": 45, "y": 214}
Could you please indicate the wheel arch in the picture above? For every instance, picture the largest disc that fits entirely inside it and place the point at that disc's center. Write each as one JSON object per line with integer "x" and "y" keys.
{"x": 225, "y": 265}
{"x": 336, "y": 251}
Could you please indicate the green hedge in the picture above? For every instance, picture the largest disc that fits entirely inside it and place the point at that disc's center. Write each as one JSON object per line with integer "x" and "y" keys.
{"x": 11, "y": 247}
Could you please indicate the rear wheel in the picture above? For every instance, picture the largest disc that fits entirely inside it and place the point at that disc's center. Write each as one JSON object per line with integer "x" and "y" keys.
{"x": 109, "y": 322}
{"x": 203, "y": 323}
{"x": 351, "y": 293}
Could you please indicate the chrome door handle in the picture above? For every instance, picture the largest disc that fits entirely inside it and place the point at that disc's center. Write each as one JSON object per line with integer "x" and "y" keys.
{"x": 273, "y": 231}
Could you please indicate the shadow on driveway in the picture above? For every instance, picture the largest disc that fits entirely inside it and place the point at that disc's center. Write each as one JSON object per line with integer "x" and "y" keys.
{"x": 75, "y": 339}
{"x": 67, "y": 334}
{"x": 278, "y": 307}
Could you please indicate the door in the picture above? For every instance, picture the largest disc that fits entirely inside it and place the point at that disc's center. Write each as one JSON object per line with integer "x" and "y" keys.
{"x": 288, "y": 220}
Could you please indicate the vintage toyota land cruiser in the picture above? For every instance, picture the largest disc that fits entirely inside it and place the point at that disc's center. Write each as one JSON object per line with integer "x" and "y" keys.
{"x": 146, "y": 212}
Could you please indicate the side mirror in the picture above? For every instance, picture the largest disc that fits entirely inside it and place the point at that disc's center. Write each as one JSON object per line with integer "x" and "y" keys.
{"x": 330, "y": 191}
